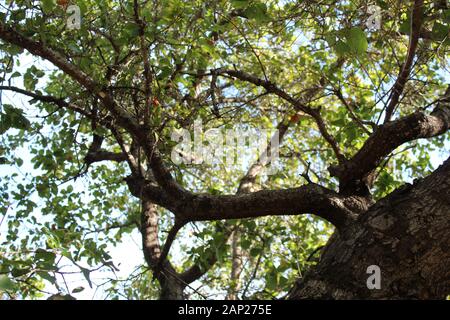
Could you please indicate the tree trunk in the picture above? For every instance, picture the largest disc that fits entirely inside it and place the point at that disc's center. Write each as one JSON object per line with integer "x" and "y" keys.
{"x": 406, "y": 234}
{"x": 236, "y": 266}
{"x": 171, "y": 287}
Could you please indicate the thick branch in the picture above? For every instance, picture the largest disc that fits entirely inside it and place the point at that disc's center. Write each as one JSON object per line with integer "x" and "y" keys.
{"x": 165, "y": 273}
{"x": 161, "y": 173}
{"x": 103, "y": 155}
{"x": 149, "y": 231}
{"x": 416, "y": 26}
{"x": 169, "y": 241}
{"x": 247, "y": 182}
{"x": 405, "y": 234}
{"x": 145, "y": 58}
{"x": 387, "y": 138}
{"x": 196, "y": 271}
{"x": 310, "y": 198}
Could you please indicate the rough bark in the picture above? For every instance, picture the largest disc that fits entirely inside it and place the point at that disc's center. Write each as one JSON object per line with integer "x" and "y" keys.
{"x": 310, "y": 198}
{"x": 172, "y": 286}
{"x": 236, "y": 266}
{"x": 406, "y": 234}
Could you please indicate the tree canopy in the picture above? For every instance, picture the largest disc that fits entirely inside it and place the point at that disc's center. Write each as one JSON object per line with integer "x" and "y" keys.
{"x": 357, "y": 92}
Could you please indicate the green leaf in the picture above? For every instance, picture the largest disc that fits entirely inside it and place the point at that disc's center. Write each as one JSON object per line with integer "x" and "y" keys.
{"x": 331, "y": 39}
{"x": 272, "y": 281}
{"x": 29, "y": 82}
{"x": 405, "y": 26}
{"x": 440, "y": 31}
{"x": 240, "y": 4}
{"x": 78, "y": 290}
{"x": 446, "y": 16}
{"x": 46, "y": 276}
{"x": 356, "y": 40}
{"x": 5, "y": 283}
{"x": 30, "y": 78}
{"x": 13, "y": 49}
{"x": 258, "y": 12}
{"x": 132, "y": 30}
{"x": 87, "y": 275}
{"x": 18, "y": 272}
{"x": 48, "y": 5}
{"x": 13, "y": 118}
{"x": 15, "y": 74}
{"x": 44, "y": 255}
{"x": 18, "y": 15}
{"x": 254, "y": 252}
{"x": 383, "y": 4}
{"x": 61, "y": 297}
{"x": 245, "y": 244}
{"x": 83, "y": 7}
{"x": 341, "y": 48}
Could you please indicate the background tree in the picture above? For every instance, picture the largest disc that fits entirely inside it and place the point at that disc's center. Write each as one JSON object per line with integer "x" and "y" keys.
{"x": 350, "y": 104}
